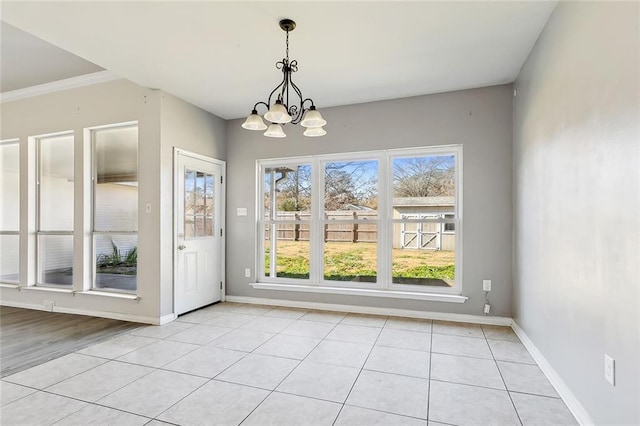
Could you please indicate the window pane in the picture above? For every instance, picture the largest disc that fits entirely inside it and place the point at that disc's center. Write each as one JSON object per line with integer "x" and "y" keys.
{"x": 55, "y": 170}
{"x": 200, "y": 231}
{"x": 189, "y": 226}
{"x": 287, "y": 192}
{"x": 426, "y": 267}
{"x": 423, "y": 195}
{"x": 420, "y": 179}
{"x": 10, "y": 187}
{"x": 292, "y": 259}
{"x": 291, "y": 256}
{"x": 200, "y": 193}
{"x": 350, "y": 187}
{"x": 208, "y": 193}
{"x": 189, "y": 192}
{"x": 10, "y": 259}
{"x": 116, "y": 189}
{"x": 55, "y": 260}
{"x": 267, "y": 250}
{"x": 116, "y": 261}
{"x": 351, "y": 261}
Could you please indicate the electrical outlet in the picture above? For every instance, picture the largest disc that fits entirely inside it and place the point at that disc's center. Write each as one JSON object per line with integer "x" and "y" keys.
{"x": 241, "y": 211}
{"x": 610, "y": 369}
{"x": 487, "y": 308}
{"x": 48, "y": 305}
{"x": 247, "y": 272}
{"x": 486, "y": 285}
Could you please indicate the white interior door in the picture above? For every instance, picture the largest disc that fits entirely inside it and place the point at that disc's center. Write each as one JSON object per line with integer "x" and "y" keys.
{"x": 198, "y": 237}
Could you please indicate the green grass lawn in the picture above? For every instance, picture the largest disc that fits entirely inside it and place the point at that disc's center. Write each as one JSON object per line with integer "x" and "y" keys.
{"x": 358, "y": 261}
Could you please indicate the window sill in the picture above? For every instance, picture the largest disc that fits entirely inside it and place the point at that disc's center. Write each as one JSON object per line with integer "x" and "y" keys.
{"x": 9, "y": 285}
{"x": 109, "y": 294}
{"x": 47, "y": 289}
{"x": 394, "y": 294}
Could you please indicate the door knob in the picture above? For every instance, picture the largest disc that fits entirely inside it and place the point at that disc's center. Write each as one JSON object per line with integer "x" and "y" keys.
{"x": 182, "y": 247}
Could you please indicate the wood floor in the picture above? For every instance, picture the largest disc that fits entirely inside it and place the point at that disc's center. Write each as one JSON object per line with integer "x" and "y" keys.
{"x": 29, "y": 337}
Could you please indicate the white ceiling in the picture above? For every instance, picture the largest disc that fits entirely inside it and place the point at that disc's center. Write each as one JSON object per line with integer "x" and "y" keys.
{"x": 27, "y": 61}
{"x": 221, "y": 55}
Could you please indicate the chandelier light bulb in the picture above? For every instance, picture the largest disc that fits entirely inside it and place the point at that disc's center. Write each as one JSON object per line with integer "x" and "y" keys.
{"x": 314, "y": 132}
{"x": 275, "y": 131}
{"x": 312, "y": 118}
{"x": 278, "y": 114}
{"x": 254, "y": 122}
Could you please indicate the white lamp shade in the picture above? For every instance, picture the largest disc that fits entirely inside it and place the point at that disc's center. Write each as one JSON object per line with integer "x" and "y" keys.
{"x": 278, "y": 114}
{"x": 254, "y": 122}
{"x": 275, "y": 131}
{"x": 314, "y": 132}
{"x": 312, "y": 118}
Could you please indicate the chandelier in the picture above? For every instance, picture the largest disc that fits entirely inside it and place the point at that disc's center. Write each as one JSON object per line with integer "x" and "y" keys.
{"x": 282, "y": 110}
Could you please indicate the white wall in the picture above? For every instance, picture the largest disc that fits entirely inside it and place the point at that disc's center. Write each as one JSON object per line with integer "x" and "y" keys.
{"x": 479, "y": 119}
{"x": 576, "y": 203}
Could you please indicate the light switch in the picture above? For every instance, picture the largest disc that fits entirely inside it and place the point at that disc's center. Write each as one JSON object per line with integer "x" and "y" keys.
{"x": 241, "y": 211}
{"x": 147, "y": 208}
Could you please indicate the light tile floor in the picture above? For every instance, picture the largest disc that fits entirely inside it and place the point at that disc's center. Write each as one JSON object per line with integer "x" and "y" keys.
{"x": 231, "y": 364}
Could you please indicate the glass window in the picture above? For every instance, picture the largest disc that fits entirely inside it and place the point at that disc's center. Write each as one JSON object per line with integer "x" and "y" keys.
{"x": 350, "y": 221}
{"x": 9, "y": 211}
{"x": 115, "y": 207}
{"x": 55, "y": 210}
{"x": 198, "y": 204}
{"x": 423, "y": 187}
{"x": 386, "y": 221}
{"x": 286, "y": 194}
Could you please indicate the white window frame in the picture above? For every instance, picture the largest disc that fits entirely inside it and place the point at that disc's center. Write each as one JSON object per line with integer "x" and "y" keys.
{"x": 40, "y": 232}
{"x": 384, "y": 283}
{"x": 17, "y": 231}
{"x": 94, "y": 182}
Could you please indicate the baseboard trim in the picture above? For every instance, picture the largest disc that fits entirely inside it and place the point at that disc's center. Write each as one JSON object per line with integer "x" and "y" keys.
{"x": 476, "y": 319}
{"x": 76, "y": 311}
{"x": 576, "y": 408}
{"x": 167, "y": 319}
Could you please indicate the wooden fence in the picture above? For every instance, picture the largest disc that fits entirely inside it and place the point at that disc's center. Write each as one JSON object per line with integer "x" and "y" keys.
{"x": 334, "y": 231}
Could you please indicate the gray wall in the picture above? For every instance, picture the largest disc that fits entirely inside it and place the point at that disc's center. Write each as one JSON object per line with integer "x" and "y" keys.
{"x": 191, "y": 128}
{"x": 164, "y": 122}
{"x": 480, "y": 119}
{"x": 577, "y": 186}
{"x": 100, "y": 104}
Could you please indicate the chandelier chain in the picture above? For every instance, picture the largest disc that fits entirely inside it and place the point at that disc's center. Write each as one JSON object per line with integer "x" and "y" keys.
{"x": 287, "y": 51}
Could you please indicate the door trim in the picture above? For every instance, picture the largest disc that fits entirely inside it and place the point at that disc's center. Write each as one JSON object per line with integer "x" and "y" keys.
{"x": 223, "y": 165}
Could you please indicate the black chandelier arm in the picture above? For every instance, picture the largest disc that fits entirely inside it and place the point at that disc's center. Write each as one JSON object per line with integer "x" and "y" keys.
{"x": 281, "y": 85}
{"x": 255, "y": 107}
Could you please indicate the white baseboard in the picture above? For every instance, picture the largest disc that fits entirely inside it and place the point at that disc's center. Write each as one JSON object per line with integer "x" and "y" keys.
{"x": 102, "y": 314}
{"x": 477, "y": 319}
{"x": 166, "y": 319}
{"x": 576, "y": 408}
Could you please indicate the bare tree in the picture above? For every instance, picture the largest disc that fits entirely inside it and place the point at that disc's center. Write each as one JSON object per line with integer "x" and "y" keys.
{"x": 424, "y": 177}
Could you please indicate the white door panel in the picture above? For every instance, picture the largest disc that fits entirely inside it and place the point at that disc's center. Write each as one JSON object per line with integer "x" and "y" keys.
{"x": 198, "y": 241}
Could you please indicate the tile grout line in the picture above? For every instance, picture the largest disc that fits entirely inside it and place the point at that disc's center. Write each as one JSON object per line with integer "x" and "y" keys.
{"x": 285, "y": 377}
{"x": 360, "y": 372}
{"x": 502, "y": 377}
{"x": 221, "y": 372}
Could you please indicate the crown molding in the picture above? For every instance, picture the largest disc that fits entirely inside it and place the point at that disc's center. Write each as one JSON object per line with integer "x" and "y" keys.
{"x": 57, "y": 86}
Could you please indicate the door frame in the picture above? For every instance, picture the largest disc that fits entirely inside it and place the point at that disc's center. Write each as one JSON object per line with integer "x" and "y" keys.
{"x": 222, "y": 199}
